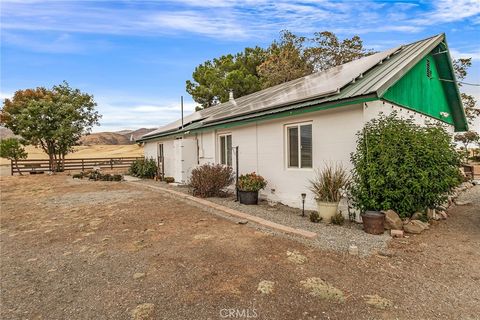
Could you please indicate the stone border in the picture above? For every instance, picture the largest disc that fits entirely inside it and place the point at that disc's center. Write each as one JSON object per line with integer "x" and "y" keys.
{"x": 236, "y": 213}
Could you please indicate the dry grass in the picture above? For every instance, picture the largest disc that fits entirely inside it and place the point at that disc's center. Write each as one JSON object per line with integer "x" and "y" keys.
{"x": 95, "y": 151}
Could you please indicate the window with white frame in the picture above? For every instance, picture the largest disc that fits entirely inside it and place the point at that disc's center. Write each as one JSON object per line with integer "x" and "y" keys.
{"x": 225, "y": 142}
{"x": 299, "y": 145}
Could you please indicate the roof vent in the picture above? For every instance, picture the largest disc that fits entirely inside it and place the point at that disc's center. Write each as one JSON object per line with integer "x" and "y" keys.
{"x": 230, "y": 95}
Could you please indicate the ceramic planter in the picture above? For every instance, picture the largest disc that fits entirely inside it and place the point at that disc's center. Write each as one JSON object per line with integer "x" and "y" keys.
{"x": 327, "y": 210}
{"x": 248, "y": 197}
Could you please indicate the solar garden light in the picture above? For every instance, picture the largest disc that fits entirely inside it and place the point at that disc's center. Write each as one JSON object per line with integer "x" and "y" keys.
{"x": 304, "y": 195}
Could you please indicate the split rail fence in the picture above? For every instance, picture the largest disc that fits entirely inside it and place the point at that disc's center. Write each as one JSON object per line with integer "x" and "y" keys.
{"x": 42, "y": 165}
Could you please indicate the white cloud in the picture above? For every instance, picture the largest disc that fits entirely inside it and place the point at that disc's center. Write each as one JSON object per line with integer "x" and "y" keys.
{"x": 229, "y": 19}
{"x": 129, "y": 112}
{"x": 5, "y": 95}
{"x": 456, "y": 54}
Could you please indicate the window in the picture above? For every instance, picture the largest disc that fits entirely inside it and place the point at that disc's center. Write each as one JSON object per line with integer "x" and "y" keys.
{"x": 299, "y": 146}
{"x": 226, "y": 149}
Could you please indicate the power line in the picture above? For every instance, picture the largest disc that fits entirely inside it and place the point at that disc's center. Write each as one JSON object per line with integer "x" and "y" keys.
{"x": 466, "y": 83}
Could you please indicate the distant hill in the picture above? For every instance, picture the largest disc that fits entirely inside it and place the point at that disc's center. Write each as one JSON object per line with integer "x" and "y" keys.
{"x": 135, "y": 134}
{"x": 6, "y": 133}
{"x": 123, "y": 137}
{"x": 104, "y": 138}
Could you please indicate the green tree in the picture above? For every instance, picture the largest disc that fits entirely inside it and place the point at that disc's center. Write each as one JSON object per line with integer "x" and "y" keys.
{"x": 461, "y": 66}
{"x": 12, "y": 149}
{"x": 213, "y": 79}
{"x": 466, "y": 139}
{"x": 52, "y": 119}
{"x": 286, "y": 61}
{"x": 328, "y": 51}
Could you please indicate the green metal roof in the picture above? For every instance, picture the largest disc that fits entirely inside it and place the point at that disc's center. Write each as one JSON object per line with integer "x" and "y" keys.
{"x": 365, "y": 79}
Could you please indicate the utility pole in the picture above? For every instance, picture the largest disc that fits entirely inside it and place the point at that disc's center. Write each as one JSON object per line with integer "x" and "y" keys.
{"x": 181, "y": 106}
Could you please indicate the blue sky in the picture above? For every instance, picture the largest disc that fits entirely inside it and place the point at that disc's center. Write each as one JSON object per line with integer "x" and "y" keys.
{"x": 135, "y": 56}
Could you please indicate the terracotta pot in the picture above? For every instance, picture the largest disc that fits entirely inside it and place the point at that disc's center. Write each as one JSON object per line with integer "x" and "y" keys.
{"x": 373, "y": 222}
{"x": 248, "y": 197}
{"x": 327, "y": 210}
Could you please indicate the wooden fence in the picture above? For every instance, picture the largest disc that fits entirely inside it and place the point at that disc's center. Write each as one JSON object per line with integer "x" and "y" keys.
{"x": 42, "y": 165}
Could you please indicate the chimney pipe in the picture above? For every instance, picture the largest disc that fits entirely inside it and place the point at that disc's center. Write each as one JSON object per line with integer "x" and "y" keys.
{"x": 230, "y": 95}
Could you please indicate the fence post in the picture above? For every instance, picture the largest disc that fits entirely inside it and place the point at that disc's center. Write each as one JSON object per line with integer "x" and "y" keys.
{"x": 11, "y": 167}
{"x": 83, "y": 166}
{"x": 111, "y": 164}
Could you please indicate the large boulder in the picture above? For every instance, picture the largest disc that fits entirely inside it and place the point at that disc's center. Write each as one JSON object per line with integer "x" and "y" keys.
{"x": 417, "y": 215}
{"x": 415, "y": 226}
{"x": 392, "y": 221}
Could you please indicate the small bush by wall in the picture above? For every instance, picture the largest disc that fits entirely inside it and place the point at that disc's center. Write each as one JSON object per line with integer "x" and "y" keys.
{"x": 209, "y": 180}
{"x": 402, "y": 166}
{"x": 143, "y": 168}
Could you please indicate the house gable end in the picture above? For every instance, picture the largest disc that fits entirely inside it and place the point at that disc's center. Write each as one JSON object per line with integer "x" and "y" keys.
{"x": 429, "y": 88}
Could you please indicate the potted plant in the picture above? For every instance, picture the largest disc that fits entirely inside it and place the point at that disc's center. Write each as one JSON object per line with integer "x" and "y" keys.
{"x": 327, "y": 187}
{"x": 248, "y": 186}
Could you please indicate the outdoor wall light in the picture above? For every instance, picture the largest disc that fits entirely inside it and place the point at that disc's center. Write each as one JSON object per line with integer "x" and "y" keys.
{"x": 304, "y": 195}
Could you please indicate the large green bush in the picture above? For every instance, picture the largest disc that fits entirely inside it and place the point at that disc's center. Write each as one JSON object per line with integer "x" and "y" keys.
{"x": 143, "y": 168}
{"x": 402, "y": 166}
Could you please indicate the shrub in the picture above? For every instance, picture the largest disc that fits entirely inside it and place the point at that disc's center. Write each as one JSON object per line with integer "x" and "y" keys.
{"x": 315, "y": 217}
{"x": 338, "y": 219}
{"x": 209, "y": 180}
{"x": 143, "y": 168}
{"x": 106, "y": 177}
{"x": 94, "y": 175}
{"x": 328, "y": 183}
{"x": 117, "y": 177}
{"x": 402, "y": 166}
{"x": 251, "y": 182}
{"x": 169, "y": 179}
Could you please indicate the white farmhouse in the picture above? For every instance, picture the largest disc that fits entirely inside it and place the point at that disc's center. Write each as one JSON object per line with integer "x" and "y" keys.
{"x": 285, "y": 132}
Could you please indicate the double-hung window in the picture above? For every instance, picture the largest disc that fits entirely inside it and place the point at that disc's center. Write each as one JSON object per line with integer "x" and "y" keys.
{"x": 225, "y": 141}
{"x": 299, "y": 145}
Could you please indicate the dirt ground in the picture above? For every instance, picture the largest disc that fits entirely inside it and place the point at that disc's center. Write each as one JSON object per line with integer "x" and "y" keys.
{"x": 75, "y": 249}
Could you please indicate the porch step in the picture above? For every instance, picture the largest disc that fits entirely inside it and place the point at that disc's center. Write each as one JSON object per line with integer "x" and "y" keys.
{"x": 236, "y": 213}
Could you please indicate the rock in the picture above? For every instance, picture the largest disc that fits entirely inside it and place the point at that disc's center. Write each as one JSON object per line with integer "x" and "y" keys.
{"x": 265, "y": 286}
{"x": 396, "y": 233}
{"x": 462, "y": 203}
{"x": 415, "y": 226}
{"x": 353, "y": 250}
{"x": 392, "y": 220}
{"x": 442, "y": 207}
{"x": 242, "y": 222}
{"x": 143, "y": 311}
{"x": 417, "y": 215}
{"x": 138, "y": 275}
{"x": 442, "y": 215}
{"x": 431, "y": 214}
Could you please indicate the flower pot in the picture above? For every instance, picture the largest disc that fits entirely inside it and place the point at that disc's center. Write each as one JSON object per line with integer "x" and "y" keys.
{"x": 327, "y": 210}
{"x": 248, "y": 197}
{"x": 373, "y": 222}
